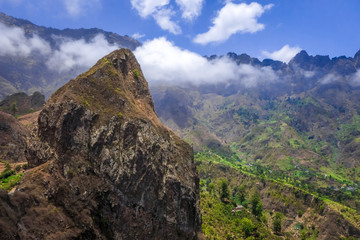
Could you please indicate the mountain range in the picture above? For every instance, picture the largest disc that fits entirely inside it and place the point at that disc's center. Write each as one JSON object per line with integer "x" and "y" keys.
{"x": 288, "y": 133}
{"x": 40, "y": 66}
{"x": 306, "y": 120}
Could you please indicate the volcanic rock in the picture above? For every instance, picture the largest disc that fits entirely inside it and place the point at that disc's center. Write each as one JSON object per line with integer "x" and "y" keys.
{"x": 12, "y": 139}
{"x": 104, "y": 167}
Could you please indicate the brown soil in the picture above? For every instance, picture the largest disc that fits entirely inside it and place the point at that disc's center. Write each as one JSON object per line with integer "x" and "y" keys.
{"x": 2, "y": 167}
{"x": 29, "y": 120}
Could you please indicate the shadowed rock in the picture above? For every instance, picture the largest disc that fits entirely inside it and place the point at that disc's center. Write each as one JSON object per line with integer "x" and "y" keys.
{"x": 104, "y": 165}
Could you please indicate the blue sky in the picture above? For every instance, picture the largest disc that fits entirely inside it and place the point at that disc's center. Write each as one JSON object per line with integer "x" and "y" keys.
{"x": 326, "y": 27}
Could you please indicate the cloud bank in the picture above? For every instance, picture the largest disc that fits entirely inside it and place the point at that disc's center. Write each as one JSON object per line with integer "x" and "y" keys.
{"x": 79, "y": 53}
{"x": 13, "y": 42}
{"x": 330, "y": 78}
{"x": 234, "y": 18}
{"x": 69, "y": 55}
{"x": 163, "y": 62}
{"x": 355, "y": 79}
{"x": 285, "y": 54}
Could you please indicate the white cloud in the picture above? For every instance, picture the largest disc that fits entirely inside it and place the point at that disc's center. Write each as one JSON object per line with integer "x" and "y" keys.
{"x": 355, "y": 79}
{"x": 77, "y": 7}
{"x": 13, "y": 42}
{"x": 330, "y": 78}
{"x": 79, "y": 53}
{"x": 160, "y": 11}
{"x": 162, "y": 61}
{"x": 71, "y": 54}
{"x": 162, "y": 18}
{"x": 285, "y": 54}
{"x": 190, "y": 8}
{"x": 232, "y": 19}
{"x": 148, "y": 7}
{"x": 137, "y": 35}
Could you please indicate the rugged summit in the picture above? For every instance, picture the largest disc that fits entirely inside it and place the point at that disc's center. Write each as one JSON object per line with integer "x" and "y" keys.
{"x": 104, "y": 167}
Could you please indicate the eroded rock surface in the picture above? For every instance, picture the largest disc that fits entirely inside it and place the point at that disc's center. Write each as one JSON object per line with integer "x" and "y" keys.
{"x": 12, "y": 139}
{"x": 104, "y": 167}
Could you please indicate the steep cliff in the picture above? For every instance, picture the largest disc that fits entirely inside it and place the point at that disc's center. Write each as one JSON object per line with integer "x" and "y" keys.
{"x": 12, "y": 139}
{"x": 104, "y": 167}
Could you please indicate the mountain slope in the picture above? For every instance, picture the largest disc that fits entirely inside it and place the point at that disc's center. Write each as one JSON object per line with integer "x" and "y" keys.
{"x": 103, "y": 166}
{"x": 302, "y": 128}
{"x": 40, "y": 65}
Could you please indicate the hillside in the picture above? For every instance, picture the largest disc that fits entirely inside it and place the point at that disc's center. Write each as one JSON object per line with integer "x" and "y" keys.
{"x": 102, "y": 166}
{"x": 301, "y": 130}
{"x": 51, "y": 56}
{"x": 280, "y": 139}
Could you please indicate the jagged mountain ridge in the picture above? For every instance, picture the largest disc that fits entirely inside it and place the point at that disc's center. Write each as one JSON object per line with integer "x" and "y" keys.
{"x": 82, "y": 33}
{"x": 307, "y": 119}
{"x": 301, "y": 59}
{"x": 30, "y": 73}
{"x": 103, "y": 166}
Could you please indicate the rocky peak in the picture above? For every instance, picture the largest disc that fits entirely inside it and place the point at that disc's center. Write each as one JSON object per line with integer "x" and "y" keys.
{"x": 276, "y": 65}
{"x": 357, "y": 59}
{"x": 321, "y": 61}
{"x": 302, "y": 59}
{"x": 104, "y": 161}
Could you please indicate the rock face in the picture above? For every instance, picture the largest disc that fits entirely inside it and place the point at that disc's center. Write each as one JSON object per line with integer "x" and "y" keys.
{"x": 104, "y": 165}
{"x": 12, "y": 139}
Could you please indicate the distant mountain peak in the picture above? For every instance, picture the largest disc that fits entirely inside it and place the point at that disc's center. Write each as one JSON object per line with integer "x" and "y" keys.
{"x": 357, "y": 59}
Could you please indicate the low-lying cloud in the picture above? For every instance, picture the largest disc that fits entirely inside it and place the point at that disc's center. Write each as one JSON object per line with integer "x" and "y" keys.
{"x": 79, "y": 53}
{"x": 160, "y": 59}
{"x": 355, "y": 79}
{"x": 163, "y": 62}
{"x": 330, "y": 78}
{"x": 13, "y": 42}
{"x": 70, "y": 54}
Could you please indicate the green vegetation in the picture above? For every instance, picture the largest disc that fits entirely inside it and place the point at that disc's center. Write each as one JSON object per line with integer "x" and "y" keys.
{"x": 13, "y": 108}
{"x": 277, "y": 222}
{"x": 219, "y": 222}
{"x": 346, "y": 130}
{"x": 220, "y": 193}
{"x": 256, "y": 205}
{"x": 86, "y": 103}
{"x": 8, "y": 183}
{"x": 136, "y": 74}
{"x": 247, "y": 226}
{"x": 224, "y": 190}
{"x": 9, "y": 177}
{"x": 106, "y": 61}
{"x": 7, "y": 171}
